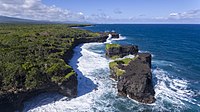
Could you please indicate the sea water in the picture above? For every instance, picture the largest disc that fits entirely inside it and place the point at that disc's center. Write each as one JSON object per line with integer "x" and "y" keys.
{"x": 175, "y": 67}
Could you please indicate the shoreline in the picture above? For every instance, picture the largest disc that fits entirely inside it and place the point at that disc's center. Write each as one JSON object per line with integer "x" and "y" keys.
{"x": 162, "y": 79}
{"x": 20, "y": 96}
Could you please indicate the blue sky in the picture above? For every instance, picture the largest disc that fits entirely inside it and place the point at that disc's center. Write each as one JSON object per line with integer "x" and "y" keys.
{"x": 105, "y": 11}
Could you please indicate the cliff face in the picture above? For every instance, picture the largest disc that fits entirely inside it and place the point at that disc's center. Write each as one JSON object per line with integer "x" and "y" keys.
{"x": 13, "y": 100}
{"x": 134, "y": 77}
{"x": 101, "y": 38}
{"x": 119, "y": 51}
{"x": 137, "y": 81}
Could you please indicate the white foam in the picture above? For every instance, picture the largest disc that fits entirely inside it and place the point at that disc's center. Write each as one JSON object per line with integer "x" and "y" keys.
{"x": 163, "y": 63}
{"x": 172, "y": 90}
{"x": 120, "y": 38}
{"x": 109, "y": 39}
{"x": 128, "y": 56}
{"x": 94, "y": 71}
{"x": 113, "y": 31}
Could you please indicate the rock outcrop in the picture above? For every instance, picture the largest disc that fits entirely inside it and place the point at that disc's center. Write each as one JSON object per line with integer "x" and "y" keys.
{"x": 114, "y": 34}
{"x": 119, "y": 51}
{"x": 101, "y": 38}
{"x": 11, "y": 101}
{"x": 134, "y": 77}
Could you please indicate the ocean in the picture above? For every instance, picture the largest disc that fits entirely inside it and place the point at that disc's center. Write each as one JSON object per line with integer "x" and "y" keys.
{"x": 175, "y": 66}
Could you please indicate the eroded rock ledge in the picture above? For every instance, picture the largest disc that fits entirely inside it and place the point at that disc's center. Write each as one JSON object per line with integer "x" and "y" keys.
{"x": 118, "y": 51}
{"x": 133, "y": 75}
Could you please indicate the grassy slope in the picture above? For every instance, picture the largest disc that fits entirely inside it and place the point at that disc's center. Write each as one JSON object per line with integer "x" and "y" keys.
{"x": 32, "y": 55}
{"x": 109, "y": 46}
{"x": 114, "y": 65}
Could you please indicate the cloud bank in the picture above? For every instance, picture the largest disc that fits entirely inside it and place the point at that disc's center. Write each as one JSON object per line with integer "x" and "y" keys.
{"x": 35, "y": 9}
{"x": 191, "y": 16}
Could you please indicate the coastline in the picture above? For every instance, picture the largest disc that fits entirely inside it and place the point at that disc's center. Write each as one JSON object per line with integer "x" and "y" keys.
{"x": 92, "y": 87}
{"x": 67, "y": 85}
{"x": 173, "y": 92}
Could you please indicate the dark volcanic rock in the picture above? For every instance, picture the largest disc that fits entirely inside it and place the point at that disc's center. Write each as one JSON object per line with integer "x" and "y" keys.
{"x": 81, "y": 40}
{"x": 136, "y": 82}
{"x": 120, "y": 50}
{"x": 12, "y": 101}
{"x": 114, "y": 34}
{"x": 69, "y": 87}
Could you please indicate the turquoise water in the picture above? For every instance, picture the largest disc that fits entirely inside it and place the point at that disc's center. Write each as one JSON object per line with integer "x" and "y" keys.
{"x": 176, "y": 72}
{"x": 176, "y": 58}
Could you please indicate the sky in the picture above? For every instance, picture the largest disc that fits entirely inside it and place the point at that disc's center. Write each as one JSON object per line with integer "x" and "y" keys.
{"x": 104, "y": 11}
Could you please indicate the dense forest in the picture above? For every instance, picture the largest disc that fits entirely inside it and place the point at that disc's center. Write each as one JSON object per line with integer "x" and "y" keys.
{"x": 32, "y": 55}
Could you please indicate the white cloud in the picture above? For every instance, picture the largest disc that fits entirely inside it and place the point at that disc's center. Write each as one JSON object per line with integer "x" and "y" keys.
{"x": 173, "y": 14}
{"x": 100, "y": 17}
{"x": 160, "y": 18}
{"x": 35, "y": 9}
{"x": 192, "y": 14}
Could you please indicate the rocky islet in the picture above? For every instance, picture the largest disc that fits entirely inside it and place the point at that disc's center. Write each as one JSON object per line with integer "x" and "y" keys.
{"x": 133, "y": 75}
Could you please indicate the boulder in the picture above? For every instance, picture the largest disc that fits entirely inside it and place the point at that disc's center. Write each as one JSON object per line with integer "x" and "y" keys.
{"x": 134, "y": 77}
{"x": 118, "y": 51}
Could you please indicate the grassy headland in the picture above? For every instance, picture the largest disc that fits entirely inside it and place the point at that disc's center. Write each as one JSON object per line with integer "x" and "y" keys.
{"x": 32, "y": 55}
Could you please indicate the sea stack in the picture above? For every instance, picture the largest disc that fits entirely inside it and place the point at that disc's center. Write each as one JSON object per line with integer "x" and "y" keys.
{"x": 133, "y": 75}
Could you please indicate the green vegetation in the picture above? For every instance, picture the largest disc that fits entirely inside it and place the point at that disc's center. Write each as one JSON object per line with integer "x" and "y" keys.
{"x": 120, "y": 72}
{"x": 108, "y": 46}
{"x": 114, "y": 65}
{"x": 58, "y": 79}
{"x": 79, "y": 25}
{"x": 115, "y": 57}
{"x": 33, "y": 55}
{"x": 70, "y": 74}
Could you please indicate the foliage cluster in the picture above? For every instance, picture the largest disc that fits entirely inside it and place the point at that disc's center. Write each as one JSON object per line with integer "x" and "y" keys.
{"x": 32, "y": 55}
{"x": 108, "y": 46}
{"x": 114, "y": 65}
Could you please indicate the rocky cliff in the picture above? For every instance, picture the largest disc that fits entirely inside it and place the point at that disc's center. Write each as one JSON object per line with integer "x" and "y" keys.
{"x": 118, "y": 51}
{"x": 10, "y": 101}
{"x": 13, "y": 99}
{"x": 134, "y": 77}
